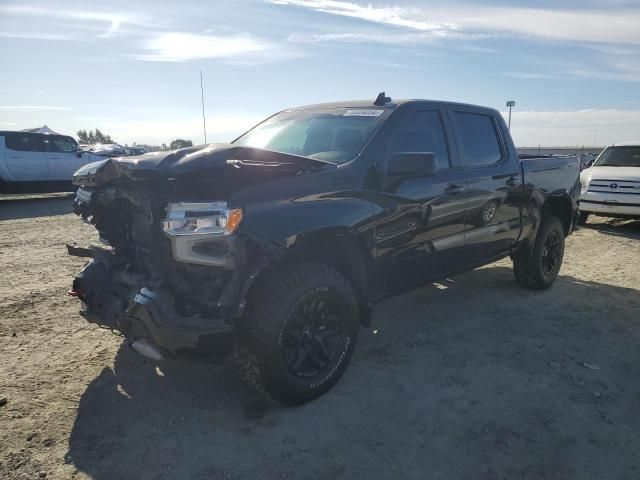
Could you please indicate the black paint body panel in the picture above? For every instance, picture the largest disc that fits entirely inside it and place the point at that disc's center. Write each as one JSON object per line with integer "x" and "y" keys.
{"x": 408, "y": 230}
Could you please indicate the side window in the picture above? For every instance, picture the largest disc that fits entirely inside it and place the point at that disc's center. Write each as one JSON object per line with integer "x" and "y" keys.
{"x": 479, "y": 139}
{"x": 422, "y": 132}
{"x": 23, "y": 142}
{"x": 59, "y": 144}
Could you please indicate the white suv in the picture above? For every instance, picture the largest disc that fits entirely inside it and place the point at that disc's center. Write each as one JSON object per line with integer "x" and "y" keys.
{"x": 36, "y": 162}
{"x": 611, "y": 186}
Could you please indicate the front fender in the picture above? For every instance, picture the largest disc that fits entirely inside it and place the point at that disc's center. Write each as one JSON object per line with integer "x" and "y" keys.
{"x": 283, "y": 222}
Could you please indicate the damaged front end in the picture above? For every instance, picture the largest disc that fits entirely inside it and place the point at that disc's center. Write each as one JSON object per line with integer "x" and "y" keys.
{"x": 174, "y": 289}
{"x": 178, "y": 265}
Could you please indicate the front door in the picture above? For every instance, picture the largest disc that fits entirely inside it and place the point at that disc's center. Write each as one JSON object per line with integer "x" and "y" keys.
{"x": 26, "y": 160}
{"x": 420, "y": 234}
{"x": 62, "y": 157}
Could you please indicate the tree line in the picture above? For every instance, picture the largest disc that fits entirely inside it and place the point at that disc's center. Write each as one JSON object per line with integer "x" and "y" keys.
{"x": 93, "y": 137}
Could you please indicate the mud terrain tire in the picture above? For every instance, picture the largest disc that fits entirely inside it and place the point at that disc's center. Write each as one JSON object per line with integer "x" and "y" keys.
{"x": 301, "y": 327}
{"x": 539, "y": 270}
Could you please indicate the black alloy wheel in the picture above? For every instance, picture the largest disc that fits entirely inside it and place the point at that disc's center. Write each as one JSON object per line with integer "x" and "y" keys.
{"x": 551, "y": 253}
{"x": 311, "y": 338}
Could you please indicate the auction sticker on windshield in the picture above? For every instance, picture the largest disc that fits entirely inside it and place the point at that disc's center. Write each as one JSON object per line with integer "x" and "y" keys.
{"x": 363, "y": 113}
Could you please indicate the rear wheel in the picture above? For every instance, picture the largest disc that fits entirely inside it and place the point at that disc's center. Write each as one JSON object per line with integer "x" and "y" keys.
{"x": 301, "y": 329}
{"x": 539, "y": 268}
{"x": 582, "y": 218}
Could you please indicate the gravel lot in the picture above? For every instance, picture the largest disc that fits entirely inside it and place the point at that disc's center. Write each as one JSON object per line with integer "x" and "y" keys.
{"x": 474, "y": 378}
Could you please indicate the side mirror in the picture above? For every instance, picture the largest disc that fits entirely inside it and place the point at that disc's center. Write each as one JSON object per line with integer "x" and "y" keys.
{"x": 413, "y": 163}
{"x": 79, "y": 153}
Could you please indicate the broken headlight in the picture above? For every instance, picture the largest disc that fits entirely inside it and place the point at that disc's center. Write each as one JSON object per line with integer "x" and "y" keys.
{"x": 200, "y": 219}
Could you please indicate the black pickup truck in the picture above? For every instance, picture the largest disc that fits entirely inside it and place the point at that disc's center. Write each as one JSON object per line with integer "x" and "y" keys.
{"x": 277, "y": 244}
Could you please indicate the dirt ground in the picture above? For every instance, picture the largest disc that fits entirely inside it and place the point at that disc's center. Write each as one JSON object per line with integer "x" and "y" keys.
{"x": 474, "y": 378}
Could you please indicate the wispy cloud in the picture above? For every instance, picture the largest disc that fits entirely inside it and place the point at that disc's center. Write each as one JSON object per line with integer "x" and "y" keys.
{"x": 574, "y": 127}
{"x": 18, "y": 108}
{"x": 586, "y": 26}
{"x": 621, "y": 74}
{"x": 158, "y": 44}
{"x": 37, "y": 35}
{"x": 476, "y": 48}
{"x": 109, "y": 22}
{"x": 386, "y": 38}
{"x": 397, "y": 16}
{"x": 182, "y": 47}
{"x": 529, "y": 75}
{"x": 394, "y": 65}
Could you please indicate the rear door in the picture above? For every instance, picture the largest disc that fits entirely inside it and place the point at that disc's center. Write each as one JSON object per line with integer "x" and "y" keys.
{"x": 421, "y": 233}
{"x": 62, "y": 158}
{"x": 25, "y": 156}
{"x": 493, "y": 184}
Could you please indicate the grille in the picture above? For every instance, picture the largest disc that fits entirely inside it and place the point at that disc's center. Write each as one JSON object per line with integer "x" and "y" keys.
{"x": 616, "y": 187}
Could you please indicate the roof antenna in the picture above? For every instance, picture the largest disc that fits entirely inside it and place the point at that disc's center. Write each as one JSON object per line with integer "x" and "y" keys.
{"x": 204, "y": 120}
{"x": 382, "y": 99}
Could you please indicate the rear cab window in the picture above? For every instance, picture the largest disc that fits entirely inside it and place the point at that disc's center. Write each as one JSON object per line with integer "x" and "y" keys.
{"x": 478, "y": 139}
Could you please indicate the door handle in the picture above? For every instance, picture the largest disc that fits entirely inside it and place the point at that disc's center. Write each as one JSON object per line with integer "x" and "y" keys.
{"x": 454, "y": 189}
{"x": 513, "y": 181}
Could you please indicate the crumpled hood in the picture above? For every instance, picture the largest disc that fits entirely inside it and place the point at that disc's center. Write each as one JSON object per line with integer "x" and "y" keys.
{"x": 206, "y": 159}
{"x": 631, "y": 174}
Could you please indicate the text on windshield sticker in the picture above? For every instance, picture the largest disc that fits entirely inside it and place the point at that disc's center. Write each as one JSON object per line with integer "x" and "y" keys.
{"x": 363, "y": 113}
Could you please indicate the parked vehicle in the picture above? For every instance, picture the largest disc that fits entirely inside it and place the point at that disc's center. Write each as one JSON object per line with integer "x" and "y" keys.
{"x": 111, "y": 150}
{"x": 36, "y": 162}
{"x": 281, "y": 241}
{"x": 586, "y": 160}
{"x": 136, "y": 150}
{"x": 108, "y": 150}
{"x": 611, "y": 185}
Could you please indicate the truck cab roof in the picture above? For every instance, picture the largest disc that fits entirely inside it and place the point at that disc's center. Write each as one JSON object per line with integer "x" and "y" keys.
{"x": 391, "y": 105}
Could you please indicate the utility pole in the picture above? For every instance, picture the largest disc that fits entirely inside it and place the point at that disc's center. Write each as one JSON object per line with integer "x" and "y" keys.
{"x": 204, "y": 121}
{"x": 510, "y": 104}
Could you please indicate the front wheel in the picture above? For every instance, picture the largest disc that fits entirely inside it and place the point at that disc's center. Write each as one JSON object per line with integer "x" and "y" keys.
{"x": 539, "y": 268}
{"x": 301, "y": 328}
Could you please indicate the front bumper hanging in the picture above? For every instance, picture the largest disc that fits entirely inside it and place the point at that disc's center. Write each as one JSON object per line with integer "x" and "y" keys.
{"x": 144, "y": 312}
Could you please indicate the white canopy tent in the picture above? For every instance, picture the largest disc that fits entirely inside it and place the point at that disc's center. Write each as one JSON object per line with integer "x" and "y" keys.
{"x": 44, "y": 129}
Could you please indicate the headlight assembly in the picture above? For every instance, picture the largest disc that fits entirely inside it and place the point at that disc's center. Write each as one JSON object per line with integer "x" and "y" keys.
{"x": 200, "y": 233}
{"x": 213, "y": 218}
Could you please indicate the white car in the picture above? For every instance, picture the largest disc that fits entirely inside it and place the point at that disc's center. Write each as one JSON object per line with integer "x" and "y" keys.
{"x": 611, "y": 186}
{"x": 36, "y": 162}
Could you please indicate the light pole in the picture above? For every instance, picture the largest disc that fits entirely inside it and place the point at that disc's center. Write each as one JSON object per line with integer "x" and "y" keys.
{"x": 510, "y": 104}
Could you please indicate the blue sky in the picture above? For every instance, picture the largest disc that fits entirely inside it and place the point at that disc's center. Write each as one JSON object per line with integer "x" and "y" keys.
{"x": 131, "y": 68}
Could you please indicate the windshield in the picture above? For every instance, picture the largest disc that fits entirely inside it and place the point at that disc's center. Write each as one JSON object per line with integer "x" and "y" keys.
{"x": 335, "y": 135}
{"x": 619, "y": 157}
